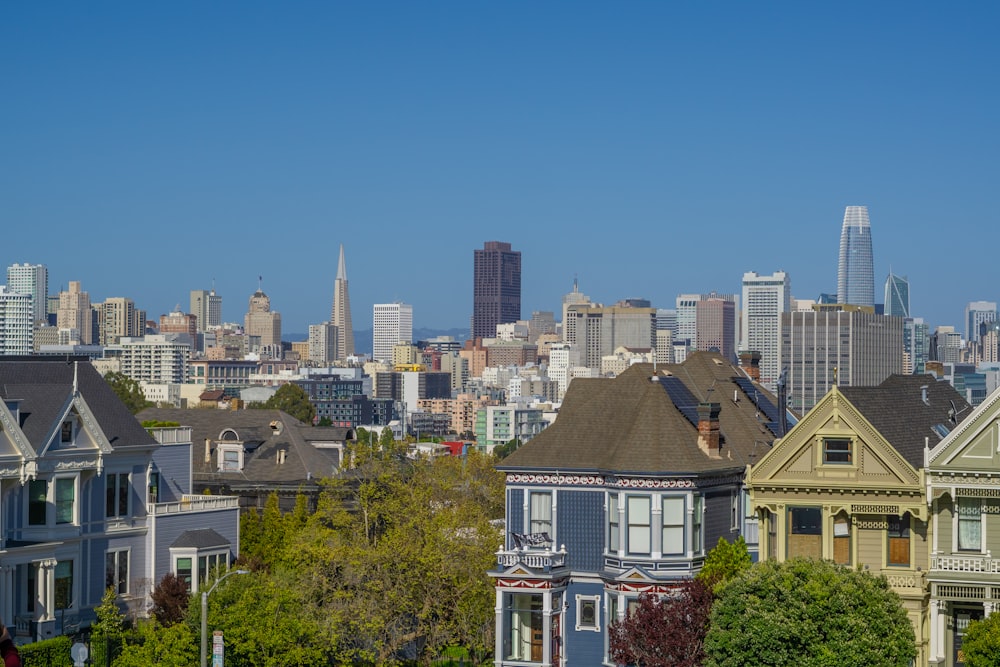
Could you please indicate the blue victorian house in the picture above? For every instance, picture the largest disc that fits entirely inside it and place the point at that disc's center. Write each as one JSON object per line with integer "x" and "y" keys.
{"x": 623, "y": 494}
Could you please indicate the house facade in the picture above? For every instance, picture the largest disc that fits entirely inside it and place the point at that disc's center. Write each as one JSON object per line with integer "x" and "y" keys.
{"x": 623, "y": 494}
{"x": 963, "y": 492}
{"x": 88, "y": 499}
{"x": 847, "y": 484}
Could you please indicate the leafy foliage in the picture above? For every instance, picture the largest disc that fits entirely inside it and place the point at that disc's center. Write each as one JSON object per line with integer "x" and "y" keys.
{"x": 170, "y": 600}
{"x": 153, "y": 644}
{"x": 108, "y": 631}
{"x": 808, "y": 613}
{"x": 981, "y": 644}
{"x": 725, "y": 562}
{"x": 128, "y": 390}
{"x": 664, "y": 631}
{"x": 53, "y": 652}
{"x": 292, "y": 400}
{"x": 505, "y": 450}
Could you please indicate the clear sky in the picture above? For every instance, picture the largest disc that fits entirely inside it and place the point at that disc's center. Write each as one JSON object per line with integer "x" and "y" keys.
{"x": 649, "y": 148}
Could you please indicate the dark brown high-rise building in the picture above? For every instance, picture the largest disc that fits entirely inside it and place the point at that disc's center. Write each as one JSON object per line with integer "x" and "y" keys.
{"x": 496, "y": 297}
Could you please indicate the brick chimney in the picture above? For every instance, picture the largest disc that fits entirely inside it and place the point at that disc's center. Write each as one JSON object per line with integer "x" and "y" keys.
{"x": 750, "y": 362}
{"x": 708, "y": 429}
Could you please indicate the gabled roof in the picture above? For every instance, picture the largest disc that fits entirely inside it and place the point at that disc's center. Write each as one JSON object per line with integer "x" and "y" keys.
{"x": 630, "y": 424}
{"x": 972, "y": 446}
{"x": 303, "y": 460}
{"x": 45, "y": 386}
{"x": 896, "y": 408}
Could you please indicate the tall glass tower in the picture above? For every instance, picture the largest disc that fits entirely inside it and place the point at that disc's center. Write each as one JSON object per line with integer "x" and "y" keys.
{"x": 855, "y": 271}
{"x": 897, "y": 296}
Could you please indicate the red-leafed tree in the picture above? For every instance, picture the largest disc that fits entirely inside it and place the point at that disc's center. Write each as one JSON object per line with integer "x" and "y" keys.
{"x": 664, "y": 631}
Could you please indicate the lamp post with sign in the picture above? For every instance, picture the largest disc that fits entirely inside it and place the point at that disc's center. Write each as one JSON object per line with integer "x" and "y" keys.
{"x": 204, "y": 614}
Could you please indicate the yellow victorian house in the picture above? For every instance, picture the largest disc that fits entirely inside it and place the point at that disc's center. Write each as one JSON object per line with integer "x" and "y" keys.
{"x": 847, "y": 484}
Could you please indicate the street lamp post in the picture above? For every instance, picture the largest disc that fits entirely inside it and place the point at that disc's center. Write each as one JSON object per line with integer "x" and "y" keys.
{"x": 204, "y": 614}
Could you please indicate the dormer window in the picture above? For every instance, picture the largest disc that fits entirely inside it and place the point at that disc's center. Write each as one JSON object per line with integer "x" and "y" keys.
{"x": 837, "y": 451}
{"x": 66, "y": 432}
{"x": 230, "y": 458}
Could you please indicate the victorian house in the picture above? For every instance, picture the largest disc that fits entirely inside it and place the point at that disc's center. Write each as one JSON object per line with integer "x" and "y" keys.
{"x": 638, "y": 476}
{"x": 963, "y": 490}
{"x": 847, "y": 484}
{"x": 89, "y": 499}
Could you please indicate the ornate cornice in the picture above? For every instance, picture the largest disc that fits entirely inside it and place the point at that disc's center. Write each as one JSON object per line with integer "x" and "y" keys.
{"x": 600, "y": 481}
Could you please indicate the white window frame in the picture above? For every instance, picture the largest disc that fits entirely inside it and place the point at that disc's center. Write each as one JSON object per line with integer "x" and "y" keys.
{"x": 196, "y": 555}
{"x": 595, "y": 600}
{"x": 118, "y": 555}
{"x": 230, "y": 449}
{"x": 614, "y": 523}
{"x": 664, "y": 500}
{"x": 648, "y": 514}
{"x": 51, "y": 509}
{"x": 117, "y": 501}
{"x": 957, "y": 527}
{"x": 532, "y": 522}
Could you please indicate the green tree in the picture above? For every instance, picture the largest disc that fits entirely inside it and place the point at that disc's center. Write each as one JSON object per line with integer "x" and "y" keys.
{"x": 292, "y": 400}
{"x": 250, "y": 532}
{"x": 505, "y": 450}
{"x": 981, "y": 644}
{"x": 387, "y": 443}
{"x": 725, "y": 561}
{"x": 808, "y": 613}
{"x": 128, "y": 390}
{"x": 153, "y": 644}
{"x": 108, "y": 631}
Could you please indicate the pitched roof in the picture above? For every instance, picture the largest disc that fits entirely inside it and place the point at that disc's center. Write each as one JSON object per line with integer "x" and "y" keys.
{"x": 44, "y": 386}
{"x": 200, "y": 538}
{"x": 304, "y": 460}
{"x": 630, "y": 424}
{"x": 896, "y": 408}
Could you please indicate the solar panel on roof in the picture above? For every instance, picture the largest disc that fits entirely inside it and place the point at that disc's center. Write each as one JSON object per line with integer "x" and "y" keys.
{"x": 763, "y": 404}
{"x": 681, "y": 397}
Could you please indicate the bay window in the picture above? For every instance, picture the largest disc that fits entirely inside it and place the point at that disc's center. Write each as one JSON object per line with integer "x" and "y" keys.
{"x": 541, "y": 513}
{"x": 614, "y": 531}
{"x": 524, "y": 638}
{"x": 673, "y": 525}
{"x": 638, "y": 516}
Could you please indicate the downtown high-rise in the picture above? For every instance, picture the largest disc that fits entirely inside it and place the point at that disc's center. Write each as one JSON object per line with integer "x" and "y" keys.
{"x": 340, "y": 315}
{"x": 392, "y": 324}
{"x": 496, "y": 288}
{"x": 31, "y": 279}
{"x": 897, "y": 296}
{"x": 765, "y": 298}
{"x": 855, "y": 270}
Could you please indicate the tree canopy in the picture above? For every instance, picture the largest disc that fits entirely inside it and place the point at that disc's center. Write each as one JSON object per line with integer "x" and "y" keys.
{"x": 808, "y": 613}
{"x": 724, "y": 562}
{"x": 664, "y": 631}
{"x": 293, "y": 400}
{"x": 981, "y": 644}
{"x": 128, "y": 390}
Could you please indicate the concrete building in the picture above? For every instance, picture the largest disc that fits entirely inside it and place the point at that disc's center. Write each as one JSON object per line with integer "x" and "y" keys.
{"x": 184, "y": 324}
{"x": 206, "y": 306}
{"x": 340, "y": 314}
{"x": 16, "y": 323}
{"x": 75, "y": 314}
{"x": 496, "y": 288}
{"x": 601, "y": 330}
{"x": 261, "y": 321}
{"x": 323, "y": 339}
{"x": 716, "y": 327}
{"x": 765, "y": 298}
{"x": 119, "y": 318}
{"x": 852, "y": 348}
{"x": 855, "y": 269}
{"x": 157, "y": 359}
{"x": 977, "y": 313}
{"x": 574, "y": 298}
{"x": 31, "y": 279}
{"x": 392, "y": 323}
{"x": 897, "y": 296}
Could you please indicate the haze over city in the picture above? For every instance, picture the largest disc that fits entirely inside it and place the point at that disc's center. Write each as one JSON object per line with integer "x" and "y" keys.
{"x": 648, "y": 149}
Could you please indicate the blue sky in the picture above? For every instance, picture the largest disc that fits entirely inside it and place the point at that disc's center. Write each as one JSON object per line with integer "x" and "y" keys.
{"x": 649, "y": 148}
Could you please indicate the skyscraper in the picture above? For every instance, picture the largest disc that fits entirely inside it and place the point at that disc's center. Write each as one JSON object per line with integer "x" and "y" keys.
{"x": 340, "y": 316}
{"x": 716, "y": 326}
{"x": 75, "y": 314}
{"x": 260, "y": 321}
{"x": 207, "y": 307}
{"x": 392, "y": 323}
{"x": 897, "y": 296}
{"x": 16, "y": 330}
{"x": 765, "y": 298}
{"x": 496, "y": 288}
{"x": 119, "y": 318}
{"x": 31, "y": 279}
{"x": 855, "y": 270}
{"x": 976, "y": 313}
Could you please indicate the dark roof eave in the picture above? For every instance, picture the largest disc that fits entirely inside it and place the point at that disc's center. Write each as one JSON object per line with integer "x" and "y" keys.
{"x": 637, "y": 473}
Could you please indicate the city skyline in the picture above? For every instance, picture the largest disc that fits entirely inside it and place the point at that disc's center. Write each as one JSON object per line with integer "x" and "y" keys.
{"x": 647, "y": 151}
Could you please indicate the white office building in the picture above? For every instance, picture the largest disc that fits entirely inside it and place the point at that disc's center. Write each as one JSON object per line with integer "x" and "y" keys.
{"x": 392, "y": 324}
{"x": 765, "y": 298}
{"x": 159, "y": 359}
{"x": 16, "y": 325}
{"x": 31, "y": 279}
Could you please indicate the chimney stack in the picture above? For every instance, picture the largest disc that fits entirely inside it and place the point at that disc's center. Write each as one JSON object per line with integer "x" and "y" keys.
{"x": 708, "y": 429}
{"x": 208, "y": 450}
{"x": 750, "y": 363}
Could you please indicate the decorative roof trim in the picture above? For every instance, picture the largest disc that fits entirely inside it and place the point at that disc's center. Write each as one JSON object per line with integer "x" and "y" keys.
{"x": 600, "y": 481}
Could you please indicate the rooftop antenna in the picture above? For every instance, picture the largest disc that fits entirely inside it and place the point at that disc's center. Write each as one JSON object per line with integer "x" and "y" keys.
{"x": 75, "y": 385}
{"x": 260, "y": 283}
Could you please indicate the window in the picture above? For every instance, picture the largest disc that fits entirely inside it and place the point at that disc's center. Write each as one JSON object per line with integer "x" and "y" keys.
{"x": 117, "y": 490}
{"x": 209, "y": 564}
{"x": 66, "y": 432}
{"x": 541, "y": 513}
{"x": 696, "y": 525}
{"x": 154, "y": 487}
{"x": 116, "y": 571}
{"x": 899, "y": 539}
{"x": 842, "y": 540}
{"x": 837, "y": 451}
{"x": 970, "y": 524}
{"x": 614, "y": 533}
{"x": 805, "y": 532}
{"x": 588, "y": 612}
{"x": 183, "y": 568}
{"x": 65, "y": 500}
{"x": 638, "y": 524}
{"x": 524, "y": 628}
{"x": 64, "y": 584}
{"x": 38, "y": 502}
{"x": 673, "y": 525}
{"x": 734, "y": 510}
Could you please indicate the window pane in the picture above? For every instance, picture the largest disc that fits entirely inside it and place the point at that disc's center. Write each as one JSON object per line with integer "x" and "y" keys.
{"x": 109, "y": 500}
{"x": 65, "y": 488}
{"x": 64, "y": 584}
{"x": 184, "y": 571}
{"x": 613, "y": 527}
{"x": 123, "y": 488}
{"x": 541, "y": 513}
{"x": 110, "y": 569}
{"x": 38, "y": 491}
{"x": 638, "y": 524}
{"x": 970, "y": 536}
{"x": 673, "y": 511}
{"x": 122, "y": 572}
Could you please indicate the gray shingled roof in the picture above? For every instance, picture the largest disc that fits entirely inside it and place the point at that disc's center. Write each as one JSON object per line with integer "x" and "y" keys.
{"x": 896, "y": 408}
{"x": 201, "y": 538}
{"x": 45, "y": 384}
{"x": 303, "y": 460}
{"x": 630, "y": 425}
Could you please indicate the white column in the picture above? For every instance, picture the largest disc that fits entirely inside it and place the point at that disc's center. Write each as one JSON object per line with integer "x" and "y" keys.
{"x": 988, "y": 608}
{"x": 935, "y": 643}
{"x": 547, "y": 628}
{"x": 7, "y": 594}
{"x": 498, "y": 640}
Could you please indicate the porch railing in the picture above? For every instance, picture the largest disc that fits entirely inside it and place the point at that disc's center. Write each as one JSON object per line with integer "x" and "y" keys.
{"x": 535, "y": 559}
{"x": 953, "y": 563}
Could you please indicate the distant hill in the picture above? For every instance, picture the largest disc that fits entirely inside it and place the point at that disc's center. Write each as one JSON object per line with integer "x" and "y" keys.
{"x": 363, "y": 338}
